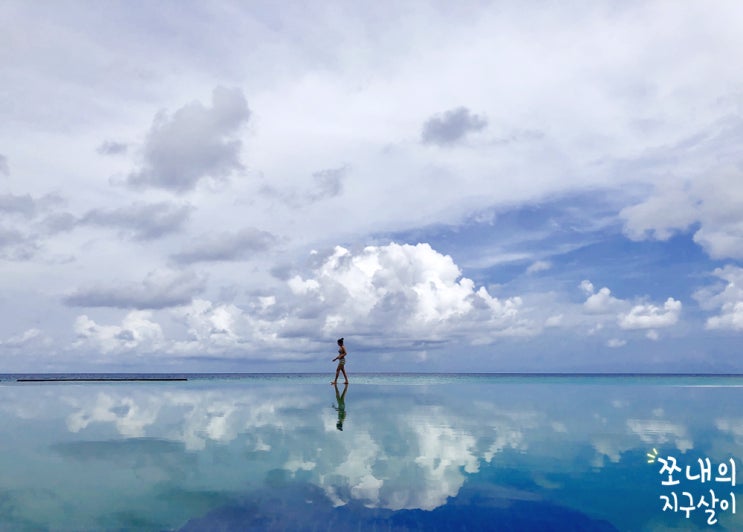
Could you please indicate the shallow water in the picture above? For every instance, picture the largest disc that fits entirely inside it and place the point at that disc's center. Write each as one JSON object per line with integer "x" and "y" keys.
{"x": 402, "y": 452}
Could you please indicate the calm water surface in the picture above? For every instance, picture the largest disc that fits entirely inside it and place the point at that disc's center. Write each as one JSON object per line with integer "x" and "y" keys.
{"x": 395, "y": 452}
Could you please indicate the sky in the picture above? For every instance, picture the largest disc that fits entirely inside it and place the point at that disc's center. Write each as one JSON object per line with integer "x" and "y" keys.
{"x": 471, "y": 186}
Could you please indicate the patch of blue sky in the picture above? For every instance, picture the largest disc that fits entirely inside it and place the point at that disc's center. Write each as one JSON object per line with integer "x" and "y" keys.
{"x": 657, "y": 269}
{"x": 518, "y": 234}
{"x": 575, "y": 238}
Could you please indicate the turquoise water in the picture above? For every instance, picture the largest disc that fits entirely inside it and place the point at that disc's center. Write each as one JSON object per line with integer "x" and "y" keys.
{"x": 400, "y": 452}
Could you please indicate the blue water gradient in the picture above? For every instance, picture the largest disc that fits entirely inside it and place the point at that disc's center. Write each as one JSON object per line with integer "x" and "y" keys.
{"x": 400, "y": 452}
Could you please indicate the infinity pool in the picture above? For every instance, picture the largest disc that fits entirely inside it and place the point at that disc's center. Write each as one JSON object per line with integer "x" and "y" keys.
{"x": 402, "y": 452}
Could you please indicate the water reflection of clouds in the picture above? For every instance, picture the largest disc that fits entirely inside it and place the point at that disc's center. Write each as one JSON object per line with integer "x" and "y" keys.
{"x": 629, "y": 434}
{"x": 659, "y": 432}
{"x": 411, "y": 457}
{"x": 130, "y": 417}
{"x": 417, "y": 457}
{"x": 419, "y": 467}
{"x": 413, "y": 450}
{"x": 732, "y": 426}
{"x": 193, "y": 418}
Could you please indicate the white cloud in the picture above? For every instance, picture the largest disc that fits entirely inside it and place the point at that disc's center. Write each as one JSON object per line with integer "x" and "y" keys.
{"x": 451, "y": 126}
{"x": 29, "y": 338}
{"x": 605, "y": 308}
{"x": 229, "y": 330}
{"x": 539, "y": 266}
{"x": 711, "y": 198}
{"x": 241, "y": 245}
{"x": 325, "y": 184}
{"x": 587, "y": 287}
{"x": 728, "y": 299}
{"x": 159, "y": 289}
{"x": 199, "y": 328}
{"x": 731, "y": 317}
{"x": 112, "y": 147}
{"x": 661, "y": 216}
{"x": 216, "y": 323}
{"x": 137, "y": 332}
{"x": 649, "y": 316}
{"x": 601, "y": 302}
{"x": 141, "y": 221}
{"x": 195, "y": 143}
{"x": 300, "y": 286}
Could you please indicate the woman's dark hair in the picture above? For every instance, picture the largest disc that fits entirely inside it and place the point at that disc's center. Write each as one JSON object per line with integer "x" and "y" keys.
{"x": 340, "y": 341}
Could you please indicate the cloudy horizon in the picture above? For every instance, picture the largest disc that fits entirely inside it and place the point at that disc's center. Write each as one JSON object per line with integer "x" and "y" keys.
{"x": 487, "y": 186}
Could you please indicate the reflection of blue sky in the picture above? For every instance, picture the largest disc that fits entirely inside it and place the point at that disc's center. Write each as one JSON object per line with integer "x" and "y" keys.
{"x": 91, "y": 452}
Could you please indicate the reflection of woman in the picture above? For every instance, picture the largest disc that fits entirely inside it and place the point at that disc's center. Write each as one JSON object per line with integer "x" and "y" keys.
{"x": 341, "y": 358}
{"x": 341, "y": 399}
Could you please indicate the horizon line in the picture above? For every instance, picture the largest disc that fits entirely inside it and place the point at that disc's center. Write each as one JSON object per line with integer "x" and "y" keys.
{"x": 174, "y": 374}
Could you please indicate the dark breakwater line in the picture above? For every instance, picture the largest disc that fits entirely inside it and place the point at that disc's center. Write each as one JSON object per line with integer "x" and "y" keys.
{"x": 104, "y": 379}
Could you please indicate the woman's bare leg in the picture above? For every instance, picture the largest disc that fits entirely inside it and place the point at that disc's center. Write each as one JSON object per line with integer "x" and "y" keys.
{"x": 344, "y": 375}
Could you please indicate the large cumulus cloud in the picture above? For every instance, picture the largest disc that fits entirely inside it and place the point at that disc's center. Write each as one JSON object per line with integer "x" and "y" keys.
{"x": 411, "y": 291}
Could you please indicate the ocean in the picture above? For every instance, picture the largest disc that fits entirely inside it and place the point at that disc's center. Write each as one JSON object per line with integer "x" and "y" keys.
{"x": 389, "y": 452}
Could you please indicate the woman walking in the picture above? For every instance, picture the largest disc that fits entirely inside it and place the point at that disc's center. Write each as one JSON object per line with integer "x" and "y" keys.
{"x": 341, "y": 358}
